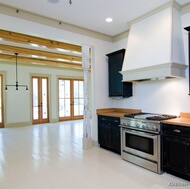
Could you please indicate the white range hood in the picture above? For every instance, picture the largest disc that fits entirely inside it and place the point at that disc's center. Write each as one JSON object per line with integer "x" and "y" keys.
{"x": 155, "y": 48}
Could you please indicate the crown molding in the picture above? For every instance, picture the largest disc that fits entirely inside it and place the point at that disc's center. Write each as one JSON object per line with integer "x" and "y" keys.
{"x": 121, "y": 36}
{"x": 172, "y": 3}
{"x": 7, "y": 10}
{"x": 185, "y": 9}
{"x": 125, "y": 34}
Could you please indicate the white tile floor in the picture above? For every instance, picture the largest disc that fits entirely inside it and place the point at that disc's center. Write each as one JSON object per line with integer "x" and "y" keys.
{"x": 50, "y": 156}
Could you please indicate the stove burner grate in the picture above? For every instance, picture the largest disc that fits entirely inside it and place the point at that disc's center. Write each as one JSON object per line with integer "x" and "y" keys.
{"x": 135, "y": 114}
{"x": 161, "y": 117}
{"x": 153, "y": 117}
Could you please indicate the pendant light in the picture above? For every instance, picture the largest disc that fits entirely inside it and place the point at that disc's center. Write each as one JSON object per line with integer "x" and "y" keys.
{"x": 16, "y": 85}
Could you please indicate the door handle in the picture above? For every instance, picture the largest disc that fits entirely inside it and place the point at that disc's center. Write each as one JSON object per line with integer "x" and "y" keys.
{"x": 40, "y": 105}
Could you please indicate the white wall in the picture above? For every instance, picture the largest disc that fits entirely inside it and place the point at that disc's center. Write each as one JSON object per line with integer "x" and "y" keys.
{"x": 167, "y": 96}
{"x": 20, "y": 102}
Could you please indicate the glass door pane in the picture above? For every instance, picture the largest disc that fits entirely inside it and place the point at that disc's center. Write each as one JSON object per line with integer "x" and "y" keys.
{"x": 40, "y": 100}
{"x": 64, "y": 98}
{"x": 78, "y": 98}
{"x": 1, "y": 101}
{"x": 44, "y": 99}
{"x": 71, "y": 99}
{"x": 35, "y": 99}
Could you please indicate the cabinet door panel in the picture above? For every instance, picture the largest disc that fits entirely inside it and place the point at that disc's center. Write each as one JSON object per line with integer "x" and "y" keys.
{"x": 104, "y": 134}
{"x": 109, "y": 133}
{"x": 177, "y": 153}
{"x": 117, "y": 88}
{"x": 115, "y": 137}
{"x": 115, "y": 78}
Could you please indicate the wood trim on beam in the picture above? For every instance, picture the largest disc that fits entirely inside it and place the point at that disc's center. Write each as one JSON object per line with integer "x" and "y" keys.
{"x": 36, "y": 61}
{"x": 26, "y": 39}
{"x": 13, "y": 42}
{"x": 26, "y": 51}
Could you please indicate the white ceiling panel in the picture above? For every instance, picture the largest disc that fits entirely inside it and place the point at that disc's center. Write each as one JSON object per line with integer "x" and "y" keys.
{"x": 91, "y": 14}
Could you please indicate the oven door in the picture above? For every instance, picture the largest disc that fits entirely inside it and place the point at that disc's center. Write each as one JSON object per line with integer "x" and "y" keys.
{"x": 141, "y": 144}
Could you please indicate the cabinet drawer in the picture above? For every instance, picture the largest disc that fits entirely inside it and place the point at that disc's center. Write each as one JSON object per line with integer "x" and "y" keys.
{"x": 109, "y": 119}
{"x": 177, "y": 130}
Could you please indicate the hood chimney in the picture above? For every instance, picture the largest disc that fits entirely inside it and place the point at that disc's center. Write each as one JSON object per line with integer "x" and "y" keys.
{"x": 155, "y": 48}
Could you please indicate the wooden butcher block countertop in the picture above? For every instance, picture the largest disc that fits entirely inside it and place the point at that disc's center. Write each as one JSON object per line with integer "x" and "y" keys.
{"x": 183, "y": 120}
{"x": 116, "y": 112}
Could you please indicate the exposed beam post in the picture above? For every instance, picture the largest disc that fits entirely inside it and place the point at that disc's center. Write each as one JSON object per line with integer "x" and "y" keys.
{"x": 86, "y": 60}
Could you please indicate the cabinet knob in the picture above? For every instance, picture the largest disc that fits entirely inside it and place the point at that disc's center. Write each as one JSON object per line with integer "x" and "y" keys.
{"x": 176, "y": 131}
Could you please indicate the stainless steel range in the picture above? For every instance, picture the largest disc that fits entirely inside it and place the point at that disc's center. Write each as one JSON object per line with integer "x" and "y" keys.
{"x": 141, "y": 139}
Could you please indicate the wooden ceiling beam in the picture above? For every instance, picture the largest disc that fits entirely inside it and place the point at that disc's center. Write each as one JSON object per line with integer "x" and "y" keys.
{"x": 28, "y": 52}
{"x": 27, "y": 39}
{"x": 38, "y": 61}
{"x": 22, "y": 44}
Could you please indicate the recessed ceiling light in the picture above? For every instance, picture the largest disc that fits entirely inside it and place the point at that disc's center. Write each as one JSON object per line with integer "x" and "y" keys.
{"x": 38, "y": 63}
{"x": 78, "y": 62}
{"x": 35, "y": 56}
{"x": 62, "y": 50}
{"x": 34, "y": 45}
{"x": 76, "y": 52}
{"x": 53, "y": 1}
{"x": 109, "y": 19}
{"x": 65, "y": 60}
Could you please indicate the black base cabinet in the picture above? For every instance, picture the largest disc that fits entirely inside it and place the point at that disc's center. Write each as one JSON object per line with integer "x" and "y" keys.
{"x": 177, "y": 151}
{"x": 109, "y": 133}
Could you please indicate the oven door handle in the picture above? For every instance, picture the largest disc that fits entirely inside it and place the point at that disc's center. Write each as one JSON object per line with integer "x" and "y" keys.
{"x": 138, "y": 133}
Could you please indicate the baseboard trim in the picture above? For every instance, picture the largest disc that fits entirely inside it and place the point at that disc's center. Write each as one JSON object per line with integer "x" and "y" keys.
{"x": 86, "y": 143}
{"x": 19, "y": 124}
{"x": 54, "y": 120}
{"x": 95, "y": 143}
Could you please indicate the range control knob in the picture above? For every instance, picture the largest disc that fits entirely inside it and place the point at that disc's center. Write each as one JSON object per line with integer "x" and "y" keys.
{"x": 154, "y": 127}
{"x": 137, "y": 125}
{"x": 128, "y": 123}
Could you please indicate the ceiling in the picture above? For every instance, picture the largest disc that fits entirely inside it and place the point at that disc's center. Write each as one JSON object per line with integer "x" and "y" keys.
{"x": 84, "y": 14}
{"x": 91, "y": 14}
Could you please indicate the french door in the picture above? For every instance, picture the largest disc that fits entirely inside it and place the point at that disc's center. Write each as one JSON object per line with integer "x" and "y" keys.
{"x": 40, "y": 111}
{"x": 71, "y": 99}
{"x": 1, "y": 102}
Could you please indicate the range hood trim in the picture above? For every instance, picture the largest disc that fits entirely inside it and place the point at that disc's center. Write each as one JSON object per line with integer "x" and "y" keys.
{"x": 155, "y": 72}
